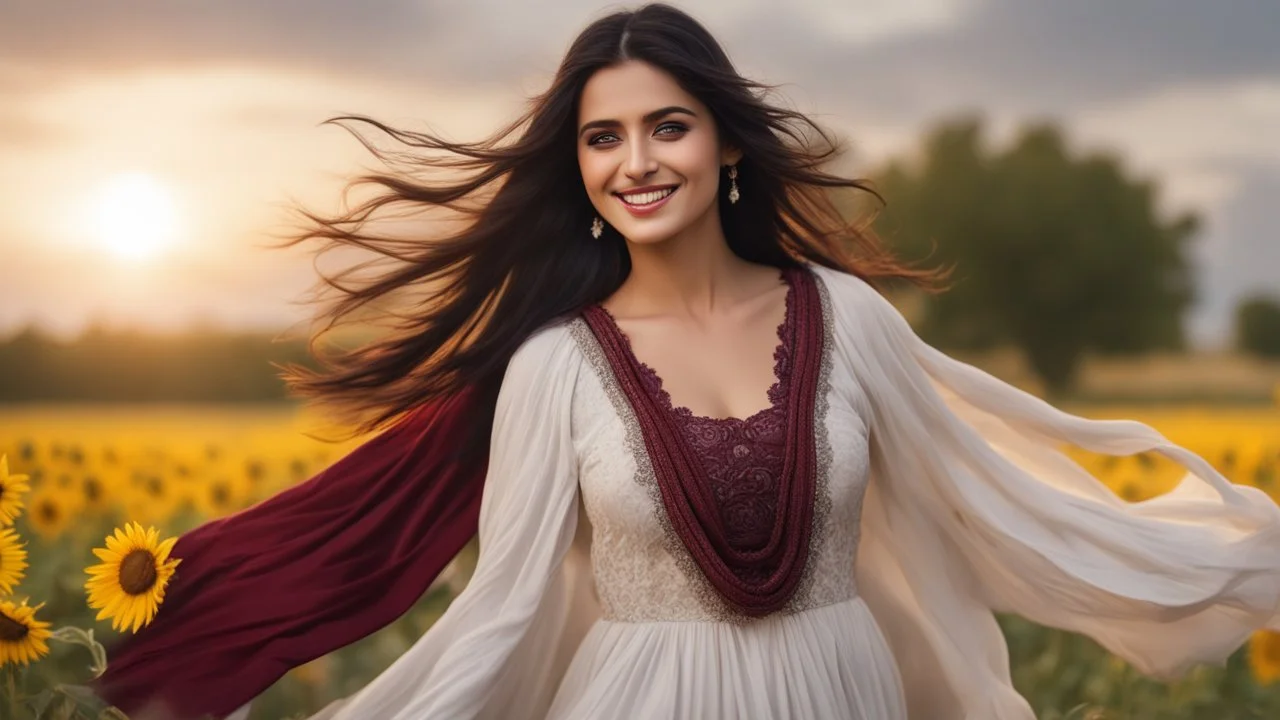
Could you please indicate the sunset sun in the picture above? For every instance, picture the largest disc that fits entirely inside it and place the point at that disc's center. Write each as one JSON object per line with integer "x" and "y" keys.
{"x": 135, "y": 216}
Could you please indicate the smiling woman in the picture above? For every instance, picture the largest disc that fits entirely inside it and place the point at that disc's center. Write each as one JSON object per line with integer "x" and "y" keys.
{"x": 837, "y": 555}
{"x": 134, "y": 216}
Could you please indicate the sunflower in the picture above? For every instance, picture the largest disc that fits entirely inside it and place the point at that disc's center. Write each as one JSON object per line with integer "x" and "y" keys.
{"x": 12, "y": 488}
{"x": 13, "y": 560}
{"x": 221, "y": 495}
{"x": 158, "y": 498}
{"x": 22, "y": 636}
{"x": 128, "y": 586}
{"x": 1264, "y": 656}
{"x": 52, "y": 511}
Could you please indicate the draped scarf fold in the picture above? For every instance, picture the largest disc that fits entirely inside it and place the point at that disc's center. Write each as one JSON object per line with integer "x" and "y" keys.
{"x": 753, "y": 581}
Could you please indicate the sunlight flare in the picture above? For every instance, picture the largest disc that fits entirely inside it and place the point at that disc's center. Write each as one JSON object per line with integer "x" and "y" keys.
{"x": 135, "y": 216}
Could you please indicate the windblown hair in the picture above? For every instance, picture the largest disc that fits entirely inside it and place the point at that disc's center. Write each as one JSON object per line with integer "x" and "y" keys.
{"x": 523, "y": 255}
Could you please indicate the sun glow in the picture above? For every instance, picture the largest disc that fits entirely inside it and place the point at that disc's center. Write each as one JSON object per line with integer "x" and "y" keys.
{"x": 135, "y": 216}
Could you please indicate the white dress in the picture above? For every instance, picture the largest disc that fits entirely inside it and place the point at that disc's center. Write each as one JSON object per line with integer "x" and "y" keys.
{"x": 943, "y": 496}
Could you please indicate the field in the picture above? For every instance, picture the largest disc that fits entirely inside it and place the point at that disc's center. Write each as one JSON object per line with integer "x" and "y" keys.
{"x": 93, "y": 468}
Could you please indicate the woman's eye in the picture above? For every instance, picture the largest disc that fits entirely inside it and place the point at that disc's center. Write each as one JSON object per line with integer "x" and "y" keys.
{"x": 677, "y": 127}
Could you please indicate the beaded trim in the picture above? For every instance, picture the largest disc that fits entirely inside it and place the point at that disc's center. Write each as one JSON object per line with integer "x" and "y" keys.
{"x": 713, "y": 604}
{"x": 825, "y": 453}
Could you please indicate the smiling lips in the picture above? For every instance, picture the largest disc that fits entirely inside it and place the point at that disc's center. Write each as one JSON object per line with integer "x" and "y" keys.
{"x": 647, "y": 200}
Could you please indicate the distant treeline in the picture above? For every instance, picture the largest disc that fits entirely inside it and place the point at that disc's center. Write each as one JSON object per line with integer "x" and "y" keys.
{"x": 133, "y": 366}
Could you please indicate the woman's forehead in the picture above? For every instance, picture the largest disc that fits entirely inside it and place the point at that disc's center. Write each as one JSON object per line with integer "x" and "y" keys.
{"x": 629, "y": 91}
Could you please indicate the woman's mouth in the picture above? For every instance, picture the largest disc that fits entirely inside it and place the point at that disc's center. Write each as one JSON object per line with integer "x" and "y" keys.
{"x": 646, "y": 203}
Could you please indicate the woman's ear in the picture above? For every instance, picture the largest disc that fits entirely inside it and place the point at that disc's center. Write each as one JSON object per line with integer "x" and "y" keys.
{"x": 730, "y": 155}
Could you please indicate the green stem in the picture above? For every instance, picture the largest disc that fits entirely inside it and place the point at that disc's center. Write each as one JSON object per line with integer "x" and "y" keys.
{"x": 11, "y": 681}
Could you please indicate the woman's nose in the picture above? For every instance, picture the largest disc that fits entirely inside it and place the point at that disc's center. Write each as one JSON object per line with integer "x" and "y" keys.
{"x": 639, "y": 161}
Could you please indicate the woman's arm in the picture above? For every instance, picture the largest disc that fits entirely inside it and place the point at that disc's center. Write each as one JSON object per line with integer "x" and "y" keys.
{"x": 528, "y": 518}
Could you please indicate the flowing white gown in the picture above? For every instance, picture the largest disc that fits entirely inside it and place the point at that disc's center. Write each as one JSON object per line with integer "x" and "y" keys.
{"x": 944, "y": 496}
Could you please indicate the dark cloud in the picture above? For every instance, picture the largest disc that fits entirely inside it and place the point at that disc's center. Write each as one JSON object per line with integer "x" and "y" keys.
{"x": 127, "y": 34}
{"x": 1096, "y": 48}
{"x": 404, "y": 38}
{"x": 1043, "y": 56}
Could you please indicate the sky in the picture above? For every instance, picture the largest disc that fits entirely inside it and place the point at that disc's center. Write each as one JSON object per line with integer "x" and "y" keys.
{"x": 194, "y": 126}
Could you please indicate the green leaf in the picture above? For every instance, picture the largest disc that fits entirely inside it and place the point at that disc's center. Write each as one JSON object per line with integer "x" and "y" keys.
{"x": 77, "y": 636}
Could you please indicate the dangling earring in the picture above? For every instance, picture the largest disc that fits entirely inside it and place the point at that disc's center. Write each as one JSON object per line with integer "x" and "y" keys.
{"x": 597, "y": 227}
{"x": 733, "y": 184}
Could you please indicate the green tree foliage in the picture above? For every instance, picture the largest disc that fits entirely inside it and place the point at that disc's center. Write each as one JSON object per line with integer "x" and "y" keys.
{"x": 1258, "y": 326}
{"x": 1055, "y": 253}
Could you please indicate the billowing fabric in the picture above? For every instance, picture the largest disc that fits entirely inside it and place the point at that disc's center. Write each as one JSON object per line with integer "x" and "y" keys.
{"x": 305, "y": 572}
{"x": 945, "y": 496}
{"x": 975, "y": 507}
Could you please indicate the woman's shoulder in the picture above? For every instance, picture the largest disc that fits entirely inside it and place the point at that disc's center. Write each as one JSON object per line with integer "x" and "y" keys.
{"x": 543, "y": 370}
{"x": 840, "y": 280}
{"x": 863, "y": 315}
{"x": 548, "y": 348}
{"x": 848, "y": 293}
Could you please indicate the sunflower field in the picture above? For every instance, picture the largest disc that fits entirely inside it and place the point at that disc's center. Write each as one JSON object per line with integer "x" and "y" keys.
{"x": 82, "y": 487}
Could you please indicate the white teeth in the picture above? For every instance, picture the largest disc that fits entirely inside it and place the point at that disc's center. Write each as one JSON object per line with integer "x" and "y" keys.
{"x": 649, "y": 197}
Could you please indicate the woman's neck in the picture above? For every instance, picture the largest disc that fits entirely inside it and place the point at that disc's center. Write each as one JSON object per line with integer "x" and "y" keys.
{"x": 691, "y": 276}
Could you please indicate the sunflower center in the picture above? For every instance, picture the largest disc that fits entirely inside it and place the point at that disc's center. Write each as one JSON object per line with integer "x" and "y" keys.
{"x": 1271, "y": 648}
{"x": 137, "y": 572}
{"x": 11, "y": 630}
{"x": 221, "y": 494}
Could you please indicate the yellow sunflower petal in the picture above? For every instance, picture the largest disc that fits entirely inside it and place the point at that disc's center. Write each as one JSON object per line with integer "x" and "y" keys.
{"x": 108, "y": 554}
{"x": 163, "y": 550}
{"x": 31, "y": 645}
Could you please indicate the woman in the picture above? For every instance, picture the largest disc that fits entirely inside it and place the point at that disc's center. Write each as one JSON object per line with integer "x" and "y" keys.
{"x": 661, "y": 537}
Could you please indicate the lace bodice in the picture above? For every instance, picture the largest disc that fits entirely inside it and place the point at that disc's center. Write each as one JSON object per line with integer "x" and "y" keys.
{"x": 743, "y": 456}
{"x": 641, "y": 570}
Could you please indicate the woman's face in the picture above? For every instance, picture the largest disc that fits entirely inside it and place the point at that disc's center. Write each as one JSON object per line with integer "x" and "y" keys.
{"x": 639, "y": 129}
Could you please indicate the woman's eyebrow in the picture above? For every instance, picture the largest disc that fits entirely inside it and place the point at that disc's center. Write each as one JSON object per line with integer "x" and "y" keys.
{"x": 650, "y": 117}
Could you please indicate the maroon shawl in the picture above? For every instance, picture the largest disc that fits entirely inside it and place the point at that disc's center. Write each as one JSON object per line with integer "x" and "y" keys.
{"x": 687, "y": 492}
{"x": 305, "y": 572}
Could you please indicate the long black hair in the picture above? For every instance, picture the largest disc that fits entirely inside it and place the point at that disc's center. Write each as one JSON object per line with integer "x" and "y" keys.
{"x": 522, "y": 253}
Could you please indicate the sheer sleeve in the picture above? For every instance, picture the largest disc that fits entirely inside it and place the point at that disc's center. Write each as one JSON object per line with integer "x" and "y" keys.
{"x": 528, "y": 517}
{"x": 975, "y": 507}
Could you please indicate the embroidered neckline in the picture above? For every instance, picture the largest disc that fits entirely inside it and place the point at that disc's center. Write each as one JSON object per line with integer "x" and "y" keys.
{"x": 775, "y": 570}
{"x": 776, "y": 394}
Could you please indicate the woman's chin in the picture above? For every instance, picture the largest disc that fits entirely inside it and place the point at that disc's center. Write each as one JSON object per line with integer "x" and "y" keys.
{"x": 644, "y": 234}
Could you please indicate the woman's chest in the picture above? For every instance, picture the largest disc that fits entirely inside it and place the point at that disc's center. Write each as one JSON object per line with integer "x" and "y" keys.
{"x": 615, "y": 473}
{"x": 638, "y": 561}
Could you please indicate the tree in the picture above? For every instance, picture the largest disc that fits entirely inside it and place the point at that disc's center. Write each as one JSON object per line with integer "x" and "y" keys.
{"x": 1053, "y": 253}
{"x": 1258, "y": 326}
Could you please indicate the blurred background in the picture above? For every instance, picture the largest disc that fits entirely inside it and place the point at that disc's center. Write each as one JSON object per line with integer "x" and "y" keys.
{"x": 1104, "y": 177}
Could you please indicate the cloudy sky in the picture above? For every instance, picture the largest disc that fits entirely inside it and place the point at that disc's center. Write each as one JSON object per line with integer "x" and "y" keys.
{"x": 193, "y": 125}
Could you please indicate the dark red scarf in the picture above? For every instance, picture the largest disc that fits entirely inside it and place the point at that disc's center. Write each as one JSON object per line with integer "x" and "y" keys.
{"x": 305, "y": 572}
{"x": 687, "y": 491}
